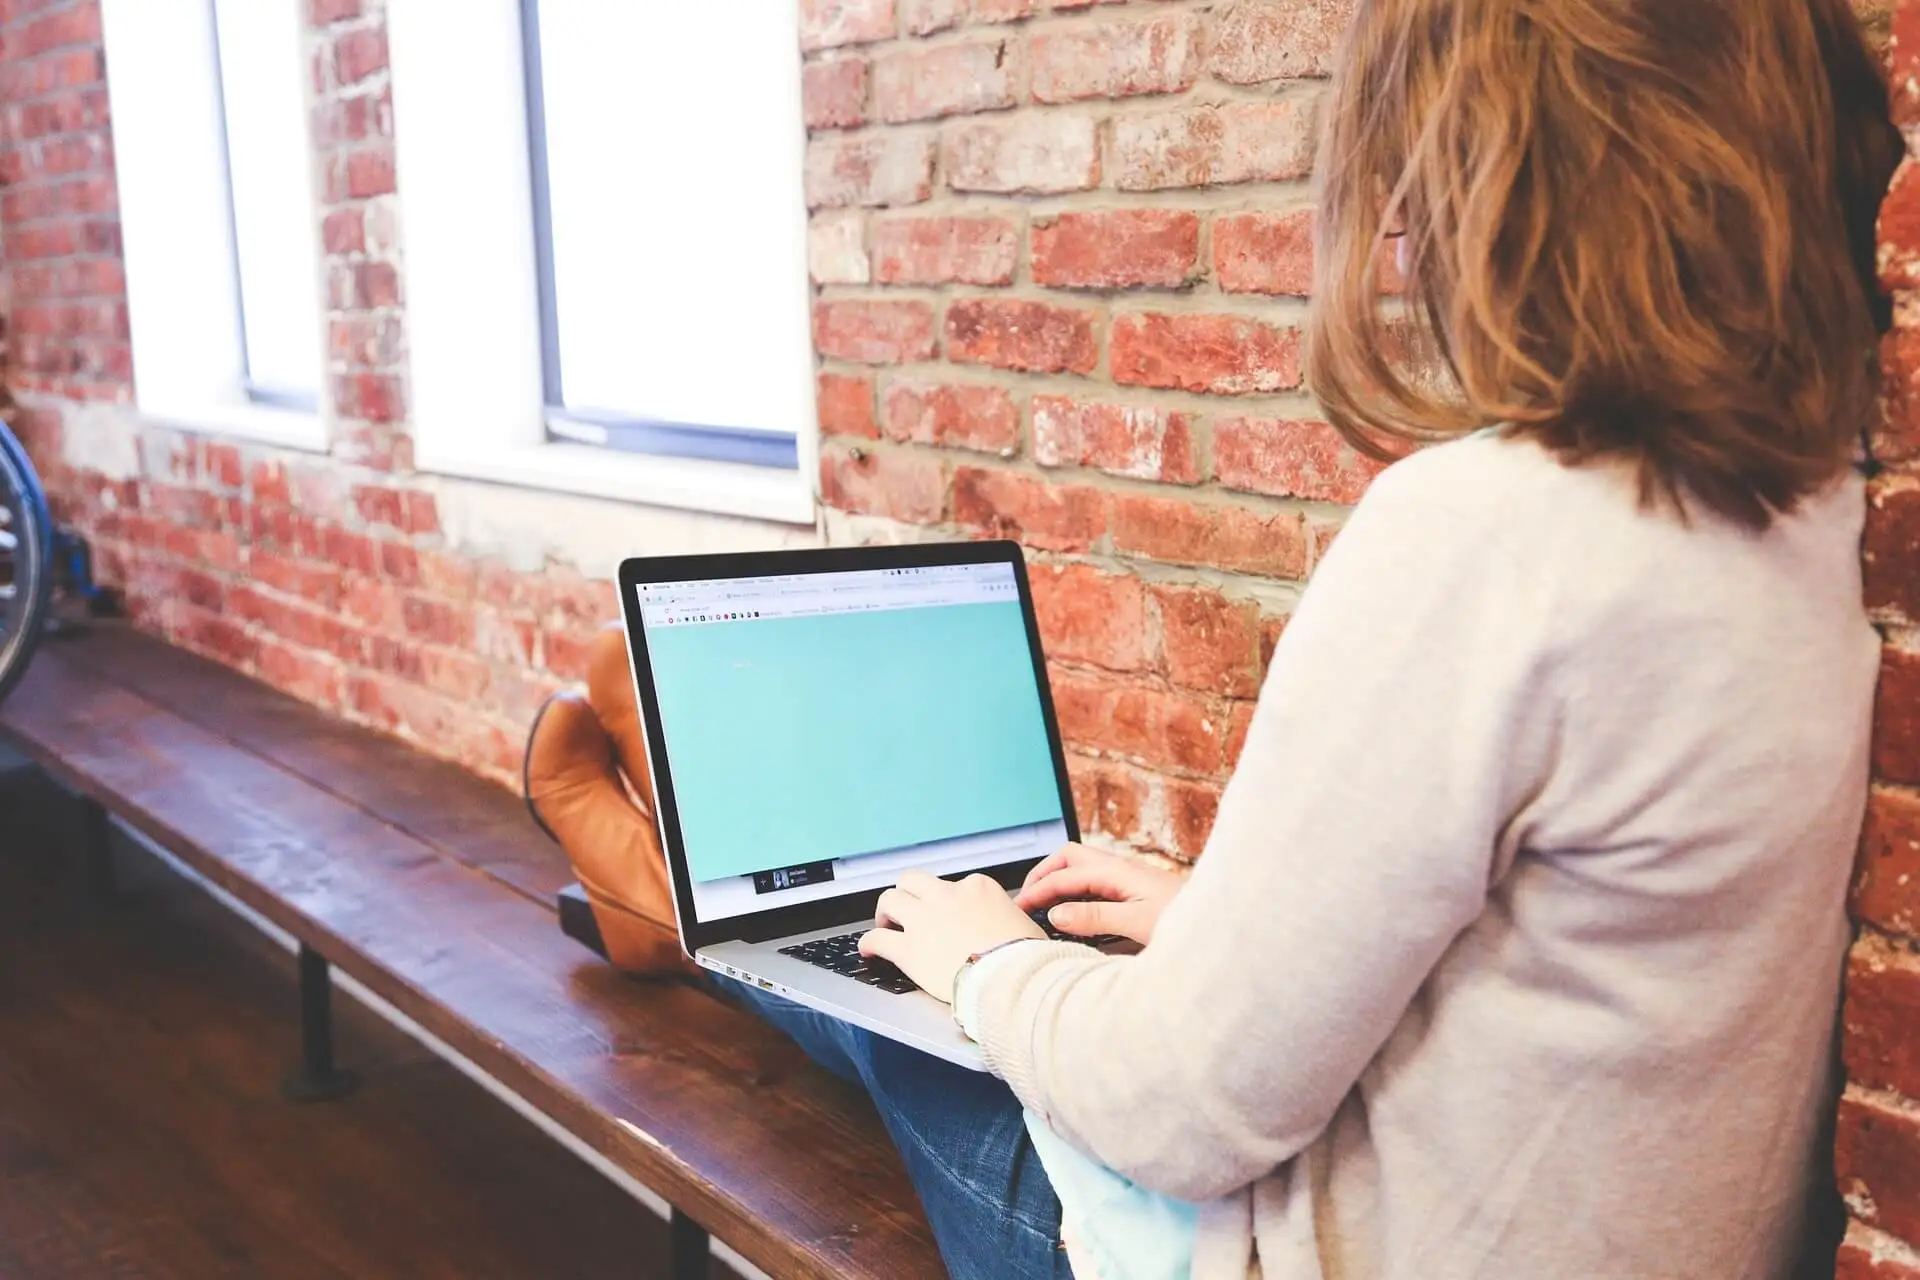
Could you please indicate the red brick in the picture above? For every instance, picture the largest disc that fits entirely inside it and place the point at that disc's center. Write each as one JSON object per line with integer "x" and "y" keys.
{"x": 294, "y": 622}
{"x": 944, "y": 80}
{"x": 212, "y": 634}
{"x": 1007, "y": 504}
{"x": 363, "y": 285}
{"x": 436, "y": 621}
{"x": 1191, "y": 810}
{"x": 1290, "y": 458}
{"x": 924, "y": 17}
{"x": 1149, "y": 726}
{"x": 1116, "y": 249}
{"x": 378, "y": 506}
{"x": 837, "y": 248}
{"x": 970, "y": 417}
{"x": 833, "y": 95}
{"x": 1863, "y": 1257}
{"x": 1035, "y": 153}
{"x": 827, "y": 23}
{"x": 1887, "y": 891}
{"x": 317, "y": 584}
{"x": 370, "y": 173}
{"x": 878, "y": 169}
{"x": 1001, "y": 10}
{"x": 1238, "y": 539}
{"x": 1905, "y": 67}
{"x": 1107, "y": 797}
{"x": 338, "y": 121}
{"x": 1092, "y": 617}
{"x": 369, "y": 397}
{"x": 343, "y": 231}
{"x": 1223, "y": 355}
{"x": 78, "y": 25}
{"x": 359, "y": 54}
{"x": 221, "y": 464}
{"x": 846, "y": 406}
{"x": 1269, "y": 253}
{"x": 304, "y": 675}
{"x": 1126, "y": 440}
{"x": 1897, "y": 434}
{"x": 1208, "y": 642}
{"x": 1254, "y": 41}
{"x": 1881, "y": 1016}
{"x": 449, "y": 577}
{"x": 1010, "y": 333}
{"x": 909, "y": 487}
{"x": 1214, "y": 145}
{"x": 1877, "y": 1163}
{"x": 1892, "y": 547}
{"x": 944, "y": 250}
{"x": 321, "y": 13}
{"x": 870, "y": 332}
{"x": 366, "y": 341}
{"x": 1896, "y": 729}
{"x": 1900, "y": 231}
{"x": 1115, "y": 59}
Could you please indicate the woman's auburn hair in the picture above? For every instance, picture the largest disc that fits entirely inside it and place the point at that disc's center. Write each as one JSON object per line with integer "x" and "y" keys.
{"x": 1637, "y": 230}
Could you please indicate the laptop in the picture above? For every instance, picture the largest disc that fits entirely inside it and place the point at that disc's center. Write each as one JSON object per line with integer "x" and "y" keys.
{"x": 819, "y": 722}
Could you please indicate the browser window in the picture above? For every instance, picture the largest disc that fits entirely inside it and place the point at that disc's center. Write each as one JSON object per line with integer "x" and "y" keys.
{"x": 827, "y": 731}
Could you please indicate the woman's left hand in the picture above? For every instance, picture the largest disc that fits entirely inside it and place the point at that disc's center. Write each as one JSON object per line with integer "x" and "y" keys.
{"x": 937, "y": 924}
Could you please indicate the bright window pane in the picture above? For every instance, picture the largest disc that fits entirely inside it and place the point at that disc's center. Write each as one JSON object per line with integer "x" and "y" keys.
{"x": 262, "y": 77}
{"x": 678, "y": 219}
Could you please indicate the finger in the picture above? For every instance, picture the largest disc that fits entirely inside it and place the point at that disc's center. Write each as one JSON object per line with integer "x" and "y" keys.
{"x": 898, "y": 907}
{"x": 1093, "y": 919}
{"x": 1074, "y": 882}
{"x": 1051, "y": 863}
{"x": 921, "y": 884}
{"x": 887, "y": 944}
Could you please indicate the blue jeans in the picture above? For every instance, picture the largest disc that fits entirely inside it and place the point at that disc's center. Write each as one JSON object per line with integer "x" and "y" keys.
{"x": 960, "y": 1134}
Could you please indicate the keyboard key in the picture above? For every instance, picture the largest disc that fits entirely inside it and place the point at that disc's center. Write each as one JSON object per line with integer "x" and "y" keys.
{"x": 841, "y": 954}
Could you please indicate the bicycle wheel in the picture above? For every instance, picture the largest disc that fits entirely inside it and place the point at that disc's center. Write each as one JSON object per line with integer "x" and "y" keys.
{"x": 26, "y": 561}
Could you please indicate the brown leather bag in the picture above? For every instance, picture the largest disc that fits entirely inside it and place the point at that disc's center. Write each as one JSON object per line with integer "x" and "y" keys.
{"x": 588, "y": 785}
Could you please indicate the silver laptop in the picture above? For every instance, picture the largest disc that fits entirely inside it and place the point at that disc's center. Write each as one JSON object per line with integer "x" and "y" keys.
{"x": 819, "y": 722}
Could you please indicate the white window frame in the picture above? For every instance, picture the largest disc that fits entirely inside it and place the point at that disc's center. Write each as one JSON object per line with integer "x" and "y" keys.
{"x": 476, "y": 376}
{"x": 176, "y": 229}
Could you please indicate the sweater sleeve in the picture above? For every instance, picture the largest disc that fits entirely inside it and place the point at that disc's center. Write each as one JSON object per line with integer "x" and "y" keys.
{"x": 1402, "y": 726}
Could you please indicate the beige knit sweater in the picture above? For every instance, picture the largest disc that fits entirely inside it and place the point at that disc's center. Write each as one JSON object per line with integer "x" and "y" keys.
{"x": 1516, "y": 948}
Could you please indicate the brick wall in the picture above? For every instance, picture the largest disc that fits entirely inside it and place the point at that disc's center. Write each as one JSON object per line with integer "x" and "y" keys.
{"x": 1061, "y": 253}
{"x": 1878, "y": 1152}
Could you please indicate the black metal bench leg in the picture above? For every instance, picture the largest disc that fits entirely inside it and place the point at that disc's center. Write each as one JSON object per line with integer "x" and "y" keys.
{"x": 97, "y": 847}
{"x": 317, "y": 1080}
{"x": 689, "y": 1247}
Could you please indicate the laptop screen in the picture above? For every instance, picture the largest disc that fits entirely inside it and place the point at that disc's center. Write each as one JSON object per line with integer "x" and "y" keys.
{"x": 826, "y": 731}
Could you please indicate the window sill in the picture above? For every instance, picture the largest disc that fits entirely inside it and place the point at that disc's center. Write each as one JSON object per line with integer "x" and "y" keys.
{"x": 716, "y": 488}
{"x": 258, "y": 424}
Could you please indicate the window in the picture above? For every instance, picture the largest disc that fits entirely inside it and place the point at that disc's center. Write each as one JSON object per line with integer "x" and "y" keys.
{"x": 654, "y": 225}
{"x": 269, "y": 184}
{"x": 218, "y": 218}
{"x": 644, "y": 311}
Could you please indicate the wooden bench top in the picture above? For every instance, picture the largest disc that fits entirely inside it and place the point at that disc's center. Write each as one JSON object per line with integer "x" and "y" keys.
{"x": 433, "y": 889}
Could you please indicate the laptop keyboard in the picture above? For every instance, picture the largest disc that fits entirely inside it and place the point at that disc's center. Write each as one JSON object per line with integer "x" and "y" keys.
{"x": 841, "y": 954}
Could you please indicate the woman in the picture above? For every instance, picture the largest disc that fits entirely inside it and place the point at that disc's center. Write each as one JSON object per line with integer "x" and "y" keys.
{"x": 1515, "y": 949}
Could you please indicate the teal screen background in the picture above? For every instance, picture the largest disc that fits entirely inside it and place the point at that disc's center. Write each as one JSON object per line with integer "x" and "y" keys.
{"x": 797, "y": 740}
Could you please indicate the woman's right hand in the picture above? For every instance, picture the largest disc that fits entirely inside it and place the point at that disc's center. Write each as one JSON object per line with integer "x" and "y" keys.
{"x": 1131, "y": 894}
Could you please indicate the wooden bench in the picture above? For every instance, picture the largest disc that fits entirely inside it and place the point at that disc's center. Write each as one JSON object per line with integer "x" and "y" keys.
{"x": 432, "y": 889}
